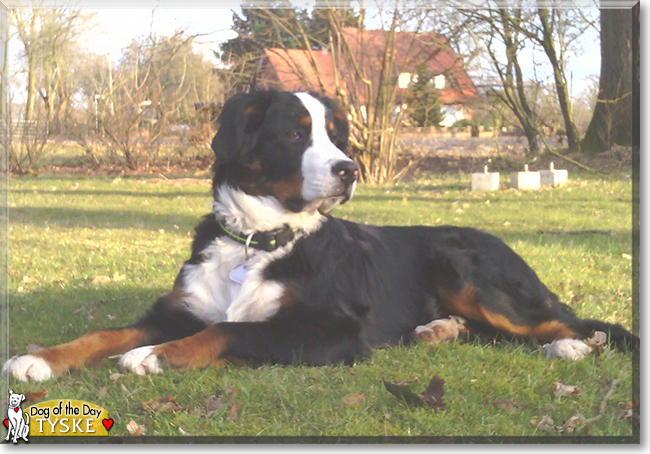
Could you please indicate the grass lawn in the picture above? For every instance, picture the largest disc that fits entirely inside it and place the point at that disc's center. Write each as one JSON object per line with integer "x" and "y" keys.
{"x": 64, "y": 232}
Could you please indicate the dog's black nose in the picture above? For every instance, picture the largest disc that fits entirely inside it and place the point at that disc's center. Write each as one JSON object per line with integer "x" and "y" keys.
{"x": 347, "y": 171}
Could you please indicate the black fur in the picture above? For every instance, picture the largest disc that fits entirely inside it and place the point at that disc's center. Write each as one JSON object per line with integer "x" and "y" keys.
{"x": 351, "y": 287}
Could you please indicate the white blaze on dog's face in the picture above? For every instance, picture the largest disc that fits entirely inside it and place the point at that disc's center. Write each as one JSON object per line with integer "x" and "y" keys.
{"x": 285, "y": 151}
{"x": 329, "y": 176}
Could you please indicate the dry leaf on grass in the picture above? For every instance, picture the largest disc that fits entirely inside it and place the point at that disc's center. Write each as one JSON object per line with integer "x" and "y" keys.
{"x": 573, "y": 423}
{"x": 29, "y": 279}
{"x": 512, "y": 406}
{"x": 33, "y": 396}
{"x": 354, "y": 399}
{"x": 233, "y": 411}
{"x": 431, "y": 397}
{"x": 101, "y": 279}
{"x": 546, "y": 424}
{"x": 564, "y": 390}
{"x": 135, "y": 429}
{"x": 214, "y": 403}
{"x": 162, "y": 405}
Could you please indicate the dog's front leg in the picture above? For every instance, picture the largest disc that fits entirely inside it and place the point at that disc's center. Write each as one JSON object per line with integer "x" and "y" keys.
{"x": 307, "y": 338}
{"x": 167, "y": 320}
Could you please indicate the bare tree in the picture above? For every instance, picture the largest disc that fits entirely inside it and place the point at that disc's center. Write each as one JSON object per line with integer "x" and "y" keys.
{"x": 48, "y": 36}
{"x": 363, "y": 69}
{"x": 132, "y": 109}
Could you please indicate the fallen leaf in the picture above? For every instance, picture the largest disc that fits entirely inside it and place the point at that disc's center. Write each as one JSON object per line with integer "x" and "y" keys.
{"x": 545, "y": 425}
{"x": 573, "y": 423}
{"x": 564, "y": 390}
{"x": 29, "y": 279}
{"x": 135, "y": 429}
{"x": 101, "y": 279}
{"x": 103, "y": 392}
{"x": 162, "y": 405}
{"x": 33, "y": 396}
{"x": 354, "y": 399}
{"x": 182, "y": 432}
{"x": 402, "y": 390}
{"x": 117, "y": 277}
{"x": 214, "y": 403}
{"x": 511, "y": 406}
{"x": 432, "y": 396}
{"x": 233, "y": 411}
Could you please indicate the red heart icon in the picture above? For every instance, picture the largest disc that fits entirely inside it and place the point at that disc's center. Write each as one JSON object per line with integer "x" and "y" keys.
{"x": 6, "y": 421}
{"x": 108, "y": 423}
{"x": 16, "y": 409}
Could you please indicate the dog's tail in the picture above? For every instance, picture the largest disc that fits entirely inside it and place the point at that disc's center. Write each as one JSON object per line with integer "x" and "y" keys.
{"x": 616, "y": 334}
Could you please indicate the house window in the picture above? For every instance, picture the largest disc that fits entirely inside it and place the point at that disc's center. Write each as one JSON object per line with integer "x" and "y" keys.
{"x": 451, "y": 114}
{"x": 439, "y": 81}
{"x": 403, "y": 80}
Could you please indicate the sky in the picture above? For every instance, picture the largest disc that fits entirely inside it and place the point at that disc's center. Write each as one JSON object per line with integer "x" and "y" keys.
{"x": 114, "y": 27}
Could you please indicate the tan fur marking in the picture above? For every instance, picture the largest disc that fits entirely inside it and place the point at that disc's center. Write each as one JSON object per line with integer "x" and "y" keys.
{"x": 91, "y": 348}
{"x": 250, "y": 110}
{"x": 464, "y": 303}
{"x": 287, "y": 189}
{"x": 204, "y": 349}
{"x": 305, "y": 121}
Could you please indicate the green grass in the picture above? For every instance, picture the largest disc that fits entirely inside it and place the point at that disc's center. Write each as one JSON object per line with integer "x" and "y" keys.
{"x": 64, "y": 232}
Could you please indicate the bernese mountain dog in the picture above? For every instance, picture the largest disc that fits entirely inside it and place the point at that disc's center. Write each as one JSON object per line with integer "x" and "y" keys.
{"x": 273, "y": 277}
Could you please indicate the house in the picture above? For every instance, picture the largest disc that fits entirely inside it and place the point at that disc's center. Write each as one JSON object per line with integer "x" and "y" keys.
{"x": 297, "y": 69}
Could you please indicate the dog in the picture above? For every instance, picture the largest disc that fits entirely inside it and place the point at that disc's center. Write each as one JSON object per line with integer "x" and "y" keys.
{"x": 18, "y": 426}
{"x": 274, "y": 277}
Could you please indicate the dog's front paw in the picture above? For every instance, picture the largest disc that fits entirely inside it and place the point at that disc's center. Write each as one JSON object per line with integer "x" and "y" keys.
{"x": 141, "y": 361}
{"x": 573, "y": 349}
{"x": 26, "y": 367}
{"x": 441, "y": 330}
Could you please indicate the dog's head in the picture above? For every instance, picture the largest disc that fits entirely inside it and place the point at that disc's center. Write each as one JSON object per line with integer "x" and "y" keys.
{"x": 15, "y": 399}
{"x": 289, "y": 146}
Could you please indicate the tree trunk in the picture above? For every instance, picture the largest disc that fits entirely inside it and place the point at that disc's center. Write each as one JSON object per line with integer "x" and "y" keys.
{"x": 611, "y": 122}
{"x": 560, "y": 79}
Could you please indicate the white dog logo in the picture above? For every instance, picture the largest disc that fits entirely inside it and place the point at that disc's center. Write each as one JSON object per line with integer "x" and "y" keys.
{"x": 18, "y": 426}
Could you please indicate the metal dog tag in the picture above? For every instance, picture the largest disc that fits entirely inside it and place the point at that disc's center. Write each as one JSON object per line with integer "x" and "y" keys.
{"x": 238, "y": 274}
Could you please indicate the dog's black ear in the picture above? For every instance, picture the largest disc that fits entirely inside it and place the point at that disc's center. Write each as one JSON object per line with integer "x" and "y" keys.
{"x": 239, "y": 125}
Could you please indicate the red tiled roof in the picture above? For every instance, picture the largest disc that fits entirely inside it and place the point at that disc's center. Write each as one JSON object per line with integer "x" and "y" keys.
{"x": 293, "y": 69}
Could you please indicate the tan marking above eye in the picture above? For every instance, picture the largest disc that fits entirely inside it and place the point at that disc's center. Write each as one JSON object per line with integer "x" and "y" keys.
{"x": 330, "y": 126}
{"x": 305, "y": 121}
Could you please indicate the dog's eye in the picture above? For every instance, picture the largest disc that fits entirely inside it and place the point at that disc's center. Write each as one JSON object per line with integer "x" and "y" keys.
{"x": 295, "y": 135}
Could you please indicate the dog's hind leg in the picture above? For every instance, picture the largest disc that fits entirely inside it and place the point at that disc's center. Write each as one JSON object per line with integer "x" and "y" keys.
{"x": 167, "y": 320}
{"x": 484, "y": 281}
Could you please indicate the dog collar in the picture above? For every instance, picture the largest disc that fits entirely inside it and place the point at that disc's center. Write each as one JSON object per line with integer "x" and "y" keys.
{"x": 264, "y": 241}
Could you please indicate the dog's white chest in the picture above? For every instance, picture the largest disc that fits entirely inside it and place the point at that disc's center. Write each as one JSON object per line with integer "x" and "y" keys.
{"x": 228, "y": 287}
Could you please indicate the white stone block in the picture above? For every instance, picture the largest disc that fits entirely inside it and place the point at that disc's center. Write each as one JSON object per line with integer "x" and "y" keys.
{"x": 485, "y": 181}
{"x": 525, "y": 180}
{"x": 553, "y": 177}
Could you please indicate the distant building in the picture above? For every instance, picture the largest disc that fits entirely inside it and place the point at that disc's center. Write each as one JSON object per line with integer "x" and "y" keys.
{"x": 292, "y": 69}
